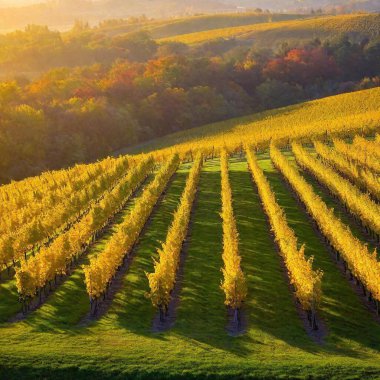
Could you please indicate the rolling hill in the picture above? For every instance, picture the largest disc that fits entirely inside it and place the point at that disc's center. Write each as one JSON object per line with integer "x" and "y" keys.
{"x": 267, "y": 34}
{"x": 184, "y": 25}
{"x": 344, "y": 113}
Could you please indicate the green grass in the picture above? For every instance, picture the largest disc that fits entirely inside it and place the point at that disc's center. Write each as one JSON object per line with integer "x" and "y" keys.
{"x": 9, "y": 304}
{"x": 270, "y": 301}
{"x": 58, "y": 310}
{"x": 342, "y": 311}
{"x": 122, "y": 345}
{"x": 201, "y": 312}
{"x": 338, "y": 207}
{"x": 130, "y": 308}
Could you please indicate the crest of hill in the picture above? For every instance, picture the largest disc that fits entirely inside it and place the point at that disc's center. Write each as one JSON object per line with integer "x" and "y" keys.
{"x": 355, "y": 25}
{"x": 185, "y": 25}
{"x": 343, "y": 114}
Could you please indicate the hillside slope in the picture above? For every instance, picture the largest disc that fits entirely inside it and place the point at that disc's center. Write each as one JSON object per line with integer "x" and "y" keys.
{"x": 267, "y": 34}
{"x": 289, "y": 5}
{"x": 59, "y": 341}
{"x": 59, "y": 338}
{"x": 62, "y": 14}
{"x": 191, "y": 24}
{"x": 210, "y": 22}
{"x": 335, "y": 114}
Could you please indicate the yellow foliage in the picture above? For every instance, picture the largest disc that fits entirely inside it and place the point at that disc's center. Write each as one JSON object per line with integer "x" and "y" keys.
{"x": 342, "y": 115}
{"x": 306, "y": 281}
{"x": 358, "y": 174}
{"x": 37, "y": 209}
{"x": 359, "y": 154}
{"x": 162, "y": 280}
{"x": 359, "y": 203}
{"x": 234, "y": 283}
{"x": 272, "y": 32}
{"x": 54, "y": 259}
{"x": 102, "y": 268}
{"x": 360, "y": 261}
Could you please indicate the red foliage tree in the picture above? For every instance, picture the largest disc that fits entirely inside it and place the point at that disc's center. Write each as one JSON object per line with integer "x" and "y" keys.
{"x": 302, "y": 66}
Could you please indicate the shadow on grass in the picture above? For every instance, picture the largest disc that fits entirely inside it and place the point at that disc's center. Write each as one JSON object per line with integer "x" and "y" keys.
{"x": 270, "y": 307}
{"x": 9, "y": 304}
{"x": 201, "y": 314}
{"x": 273, "y": 322}
{"x": 348, "y": 322}
{"x": 130, "y": 309}
{"x": 270, "y": 310}
{"x": 69, "y": 303}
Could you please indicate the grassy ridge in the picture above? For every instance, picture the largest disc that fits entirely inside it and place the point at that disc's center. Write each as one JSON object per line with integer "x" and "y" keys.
{"x": 340, "y": 114}
{"x": 270, "y": 33}
{"x": 210, "y": 22}
{"x": 177, "y": 26}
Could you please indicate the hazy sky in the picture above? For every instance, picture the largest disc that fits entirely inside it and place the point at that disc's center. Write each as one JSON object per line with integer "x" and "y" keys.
{"x": 18, "y": 2}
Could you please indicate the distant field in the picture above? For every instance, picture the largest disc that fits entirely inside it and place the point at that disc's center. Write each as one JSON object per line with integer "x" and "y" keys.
{"x": 194, "y": 24}
{"x": 178, "y": 26}
{"x": 357, "y": 25}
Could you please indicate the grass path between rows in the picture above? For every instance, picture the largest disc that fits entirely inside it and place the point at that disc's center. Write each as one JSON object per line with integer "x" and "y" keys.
{"x": 270, "y": 301}
{"x": 201, "y": 313}
{"x": 130, "y": 308}
{"x": 350, "y": 326}
{"x": 335, "y": 203}
{"x": 70, "y": 302}
{"x": 58, "y": 310}
{"x": 122, "y": 345}
{"x": 9, "y": 304}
